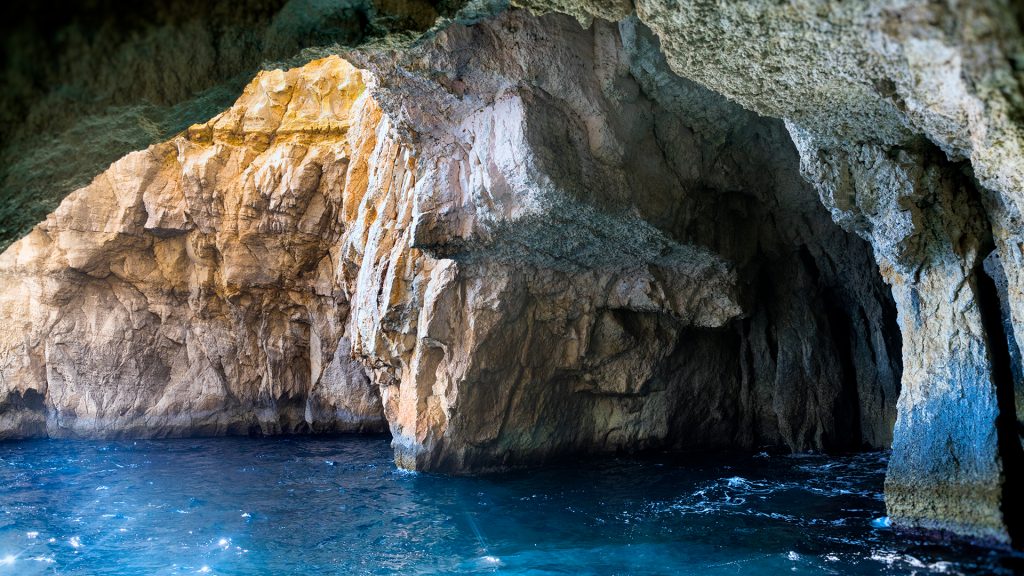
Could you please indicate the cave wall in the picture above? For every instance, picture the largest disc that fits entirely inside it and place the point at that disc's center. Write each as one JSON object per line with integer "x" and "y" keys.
{"x": 533, "y": 250}
{"x": 552, "y": 243}
{"x": 890, "y": 104}
{"x": 607, "y": 124}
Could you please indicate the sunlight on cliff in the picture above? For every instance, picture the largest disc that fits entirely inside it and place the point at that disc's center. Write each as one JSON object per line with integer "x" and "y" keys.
{"x": 306, "y": 104}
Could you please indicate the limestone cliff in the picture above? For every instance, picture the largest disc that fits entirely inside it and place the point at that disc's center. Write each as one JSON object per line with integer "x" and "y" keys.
{"x": 523, "y": 271}
{"x": 189, "y": 289}
{"x": 518, "y": 237}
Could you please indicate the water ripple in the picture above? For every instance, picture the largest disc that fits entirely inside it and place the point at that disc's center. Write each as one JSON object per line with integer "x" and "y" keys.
{"x": 297, "y": 506}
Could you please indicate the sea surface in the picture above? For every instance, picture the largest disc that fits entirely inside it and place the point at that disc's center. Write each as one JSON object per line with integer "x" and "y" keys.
{"x": 339, "y": 506}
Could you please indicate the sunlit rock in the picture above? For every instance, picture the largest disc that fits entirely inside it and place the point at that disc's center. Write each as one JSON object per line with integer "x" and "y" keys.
{"x": 190, "y": 288}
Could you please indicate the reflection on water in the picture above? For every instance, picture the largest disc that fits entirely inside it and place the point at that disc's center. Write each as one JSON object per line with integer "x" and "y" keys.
{"x": 338, "y": 506}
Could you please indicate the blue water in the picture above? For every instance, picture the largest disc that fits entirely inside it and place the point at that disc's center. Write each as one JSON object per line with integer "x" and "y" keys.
{"x": 339, "y": 506}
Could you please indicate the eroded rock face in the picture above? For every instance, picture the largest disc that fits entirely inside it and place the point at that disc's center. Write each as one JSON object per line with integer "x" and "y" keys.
{"x": 190, "y": 289}
{"x": 527, "y": 238}
{"x": 603, "y": 160}
{"x": 890, "y": 104}
{"x": 947, "y": 471}
{"x": 203, "y": 285}
{"x": 530, "y": 237}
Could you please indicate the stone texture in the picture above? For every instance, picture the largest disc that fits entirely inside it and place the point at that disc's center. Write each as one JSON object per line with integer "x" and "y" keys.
{"x": 190, "y": 288}
{"x": 884, "y": 100}
{"x": 930, "y": 233}
{"x": 537, "y": 238}
{"x": 530, "y": 247}
{"x": 573, "y": 134}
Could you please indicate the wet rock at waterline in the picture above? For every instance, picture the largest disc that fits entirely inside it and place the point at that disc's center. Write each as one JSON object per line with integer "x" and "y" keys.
{"x": 524, "y": 238}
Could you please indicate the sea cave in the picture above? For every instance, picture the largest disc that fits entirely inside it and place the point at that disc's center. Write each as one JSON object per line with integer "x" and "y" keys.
{"x": 512, "y": 286}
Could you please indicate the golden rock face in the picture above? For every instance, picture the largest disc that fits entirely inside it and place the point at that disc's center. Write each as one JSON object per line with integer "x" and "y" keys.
{"x": 306, "y": 104}
{"x": 190, "y": 288}
{"x": 263, "y": 272}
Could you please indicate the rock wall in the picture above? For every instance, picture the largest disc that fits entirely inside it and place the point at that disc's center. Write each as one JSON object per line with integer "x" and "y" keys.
{"x": 190, "y": 288}
{"x": 541, "y": 242}
{"x": 579, "y": 119}
{"x": 907, "y": 118}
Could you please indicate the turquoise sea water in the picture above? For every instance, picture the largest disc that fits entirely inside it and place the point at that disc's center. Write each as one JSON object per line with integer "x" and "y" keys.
{"x": 339, "y": 506}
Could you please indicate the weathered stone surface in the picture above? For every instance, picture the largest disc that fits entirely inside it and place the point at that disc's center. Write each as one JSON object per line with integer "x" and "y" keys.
{"x": 190, "y": 288}
{"x": 571, "y": 134}
{"x": 930, "y": 233}
{"x": 533, "y": 249}
{"x": 867, "y": 82}
{"x": 542, "y": 307}
{"x": 544, "y": 240}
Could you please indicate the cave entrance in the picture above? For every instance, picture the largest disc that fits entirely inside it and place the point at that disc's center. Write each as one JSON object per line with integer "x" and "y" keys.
{"x": 818, "y": 350}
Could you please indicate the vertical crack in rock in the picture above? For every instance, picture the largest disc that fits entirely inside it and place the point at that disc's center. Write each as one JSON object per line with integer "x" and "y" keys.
{"x": 1001, "y": 344}
{"x": 848, "y": 403}
{"x": 993, "y": 267}
{"x": 1007, "y": 425}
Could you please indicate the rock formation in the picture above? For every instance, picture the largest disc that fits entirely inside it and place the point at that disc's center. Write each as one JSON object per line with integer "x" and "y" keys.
{"x": 603, "y": 158}
{"x": 525, "y": 237}
{"x": 189, "y": 289}
{"x": 906, "y": 116}
{"x": 84, "y": 83}
{"x": 510, "y": 302}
